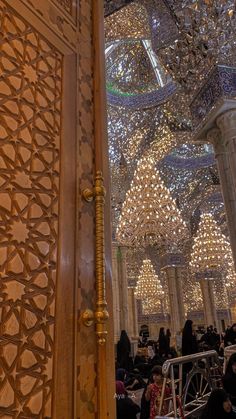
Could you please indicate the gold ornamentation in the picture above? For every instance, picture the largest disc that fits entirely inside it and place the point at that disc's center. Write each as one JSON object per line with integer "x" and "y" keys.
{"x": 88, "y": 317}
{"x": 101, "y": 314}
{"x": 88, "y": 195}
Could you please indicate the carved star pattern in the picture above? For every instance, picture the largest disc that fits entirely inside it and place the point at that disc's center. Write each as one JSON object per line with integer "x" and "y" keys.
{"x": 29, "y": 158}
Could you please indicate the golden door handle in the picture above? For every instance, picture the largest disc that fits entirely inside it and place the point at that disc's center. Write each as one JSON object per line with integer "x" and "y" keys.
{"x": 101, "y": 315}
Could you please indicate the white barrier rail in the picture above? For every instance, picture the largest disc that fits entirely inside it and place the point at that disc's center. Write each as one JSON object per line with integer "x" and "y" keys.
{"x": 191, "y": 378}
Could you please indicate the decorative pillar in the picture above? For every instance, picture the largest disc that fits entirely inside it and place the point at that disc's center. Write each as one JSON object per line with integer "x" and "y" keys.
{"x": 172, "y": 264}
{"x": 208, "y": 302}
{"x": 214, "y": 119}
{"x": 227, "y": 125}
{"x": 132, "y": 314}
{"x": 179, "y": 285}
{"x": 116, "y": 293}
{"x": 214, "y": 136}
{"x": 123, "y": 287}
{"x": 176, "y": 300}
{"x": 120, "y": 289}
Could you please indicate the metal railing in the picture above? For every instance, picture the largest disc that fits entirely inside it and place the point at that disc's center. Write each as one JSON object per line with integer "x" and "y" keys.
{"x": 191, "y": 379}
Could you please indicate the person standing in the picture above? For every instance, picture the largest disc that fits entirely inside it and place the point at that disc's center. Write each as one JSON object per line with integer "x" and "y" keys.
{"x": 162, "y": 342}
{"x": 189, "y": 340}
{"x": 123, "y": 351}
{"x": 153, "y": 393}
{"x": 168, "y": 336}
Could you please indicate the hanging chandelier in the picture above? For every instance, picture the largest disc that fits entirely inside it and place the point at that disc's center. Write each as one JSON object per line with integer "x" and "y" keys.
{"x": 231, "y": 278}
{"x": 211, "y": 252}
{"x": 149, "y": 214}
{"x": 149, "y": 288}
{"x": 151, "y": 305}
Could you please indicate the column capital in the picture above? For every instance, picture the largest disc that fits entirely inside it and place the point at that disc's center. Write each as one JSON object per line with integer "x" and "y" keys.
{"x": 172, "y": 260}
{"x": 214, "y": 137}
{"x": 226, "y": 122}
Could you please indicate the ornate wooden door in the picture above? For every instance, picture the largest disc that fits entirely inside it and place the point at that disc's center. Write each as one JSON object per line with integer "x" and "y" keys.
{"x": 37, "y": 208}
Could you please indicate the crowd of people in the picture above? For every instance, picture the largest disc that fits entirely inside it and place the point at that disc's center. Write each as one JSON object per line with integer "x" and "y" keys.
{"x": 143, "y": 373}
{"x": 204, "y": 340}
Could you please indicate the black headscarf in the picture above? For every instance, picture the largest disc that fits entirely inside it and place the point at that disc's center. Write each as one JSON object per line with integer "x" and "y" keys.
{"x": 229, "y": 379}
{"x": 229, "y": 371}
{"x": 214, "y": 407}
{"x": 123, "y": 350}
{"x": 124, "y": 341}
{"x": 189, "y": 341}
{"x": 162, "y": 342}
{"x": 120, "y": 374}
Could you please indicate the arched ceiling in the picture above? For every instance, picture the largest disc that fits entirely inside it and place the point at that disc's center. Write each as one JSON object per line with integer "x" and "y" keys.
{"x": 158, "y": 52}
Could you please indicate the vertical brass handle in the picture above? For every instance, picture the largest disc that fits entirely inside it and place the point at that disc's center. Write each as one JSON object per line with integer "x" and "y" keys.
{"x": 101, "y": 314}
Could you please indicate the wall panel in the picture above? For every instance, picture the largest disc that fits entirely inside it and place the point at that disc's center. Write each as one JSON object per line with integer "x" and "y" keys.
{"x": 30, "y": 127}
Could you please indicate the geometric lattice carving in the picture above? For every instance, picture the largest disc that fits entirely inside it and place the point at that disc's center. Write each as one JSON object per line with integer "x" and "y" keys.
{"x": 30, "y": 119}
{"x": 66, "y": 4}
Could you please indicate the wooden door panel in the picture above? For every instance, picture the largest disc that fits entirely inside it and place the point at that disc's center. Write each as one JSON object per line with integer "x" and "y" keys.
{"x": 31, "y": 106}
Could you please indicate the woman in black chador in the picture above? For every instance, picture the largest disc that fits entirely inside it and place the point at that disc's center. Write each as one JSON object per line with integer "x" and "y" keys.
{"x": 123, "y": 351}
{"x": 162, "y": 342}
{"x": 229, "y": 379}
{"x": 218, "y": 406}
{"x": 168, "y": 336}
{"x": 189, "y": 340}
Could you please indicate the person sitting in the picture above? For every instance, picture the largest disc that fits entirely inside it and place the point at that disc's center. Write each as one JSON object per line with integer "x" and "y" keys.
{"x": 229, "y": 379}
{"x": 210, "y": 339}
{"x": 230, "y": 336}
{"x": 141, "y": 356}
{"x": 121, "y": 374}
{"x": 218, "y": 406}
{"x": 134, "y": 381}
{"x": 125, "y": 406}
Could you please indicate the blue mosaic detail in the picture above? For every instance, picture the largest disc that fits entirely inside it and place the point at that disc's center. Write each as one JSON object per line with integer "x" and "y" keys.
{"x": 190, "y": 163}
{"x": 172, "y": 259}
{"x": 143, "y": 100}
{"x": 208, "y": 275}
{"x": 220, "y": 84}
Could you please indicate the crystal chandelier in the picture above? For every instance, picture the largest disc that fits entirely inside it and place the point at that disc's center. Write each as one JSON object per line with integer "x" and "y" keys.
{"x": 230, "y": 283}
{"x": 149, "y": 288}
{"x": 151, "y": 306}
{"x": 193, "y": 300}
{"x": 211, "y": 253}
{"x": 231, "y": 278}
{"x": 220, "y": 295}
{"x": 149, "y": 214}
